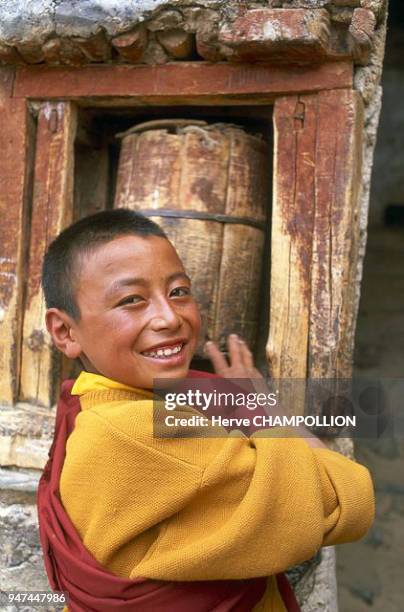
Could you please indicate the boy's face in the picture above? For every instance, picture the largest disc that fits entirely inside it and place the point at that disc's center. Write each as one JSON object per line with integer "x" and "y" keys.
{"x": 138, "y": 318}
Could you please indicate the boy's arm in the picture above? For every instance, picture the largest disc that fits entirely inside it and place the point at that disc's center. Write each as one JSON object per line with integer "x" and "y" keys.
{"x": 263, "y": 506}
{"x": 205, "y": 509}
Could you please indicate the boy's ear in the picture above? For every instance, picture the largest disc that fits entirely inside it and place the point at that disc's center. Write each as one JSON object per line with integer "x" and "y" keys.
{"x": 61, "y": 327}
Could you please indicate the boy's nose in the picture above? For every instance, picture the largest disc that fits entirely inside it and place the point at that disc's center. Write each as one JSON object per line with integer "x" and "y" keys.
{"x": 165, "y": 317}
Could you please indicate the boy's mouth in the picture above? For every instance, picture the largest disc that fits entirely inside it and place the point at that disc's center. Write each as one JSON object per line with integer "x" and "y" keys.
{"x": 165, "y": 352}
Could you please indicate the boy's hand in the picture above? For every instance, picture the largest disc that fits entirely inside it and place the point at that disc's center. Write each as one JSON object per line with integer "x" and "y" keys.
{"x": 242, "y": 366}
{"x": 240, "y": 357}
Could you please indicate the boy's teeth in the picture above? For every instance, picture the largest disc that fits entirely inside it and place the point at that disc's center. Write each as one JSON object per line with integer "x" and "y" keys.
{"x": 164, "y": 352}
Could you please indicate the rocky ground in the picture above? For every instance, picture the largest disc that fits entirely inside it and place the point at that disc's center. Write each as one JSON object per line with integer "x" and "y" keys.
{"x": 370, "y": 573}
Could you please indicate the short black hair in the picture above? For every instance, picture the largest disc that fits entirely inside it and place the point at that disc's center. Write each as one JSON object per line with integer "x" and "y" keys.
{"x": 59, "y": 270}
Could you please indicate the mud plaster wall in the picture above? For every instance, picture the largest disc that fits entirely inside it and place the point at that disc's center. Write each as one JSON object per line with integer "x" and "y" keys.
{"x": 59, "y": 32}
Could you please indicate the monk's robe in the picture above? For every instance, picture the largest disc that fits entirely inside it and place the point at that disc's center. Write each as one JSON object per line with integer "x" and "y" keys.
{"x": 201, "y": 509}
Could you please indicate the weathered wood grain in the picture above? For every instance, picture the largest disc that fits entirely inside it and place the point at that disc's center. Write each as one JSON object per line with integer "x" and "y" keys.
{"x": 131, "y": 45}
{"x": 295, "y": 128}
{"x": 52, "y": 209}
{"x": 199, "y": 82}
{"x": 285, "y": 36}
{"x": 178, "y": 43}
{"x": 15, "y": 165}
{"x": 315, "y": 236}
{"x": 247, "y": 195}
{"x": 336, "y": 234}
{"x": 96, "y": 48}
{"x": 149, "y": 169}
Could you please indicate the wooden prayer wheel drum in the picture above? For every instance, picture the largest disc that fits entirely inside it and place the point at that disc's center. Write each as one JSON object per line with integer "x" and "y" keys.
{"x": 207, "y": 186}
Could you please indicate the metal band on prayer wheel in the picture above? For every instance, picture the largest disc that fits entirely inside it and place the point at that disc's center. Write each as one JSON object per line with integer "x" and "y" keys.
{"x": 197, "y": 214}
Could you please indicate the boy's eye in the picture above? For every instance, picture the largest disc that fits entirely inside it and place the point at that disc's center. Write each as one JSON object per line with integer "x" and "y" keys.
{"x": 180, "y": 292}
{"x": 131, "y": 299}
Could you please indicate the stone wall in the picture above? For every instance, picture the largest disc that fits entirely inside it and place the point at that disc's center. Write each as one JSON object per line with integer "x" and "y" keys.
{"x": 78, "y": 32}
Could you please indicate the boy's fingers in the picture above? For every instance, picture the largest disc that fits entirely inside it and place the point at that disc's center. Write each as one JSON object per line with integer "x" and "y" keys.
{"x": 217, "y": 358}
{"x": 235, "y": 352}
{"x": 247, "y": 355}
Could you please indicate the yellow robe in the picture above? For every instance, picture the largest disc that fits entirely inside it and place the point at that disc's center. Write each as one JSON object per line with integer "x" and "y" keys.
{"x": 202, "y": 508}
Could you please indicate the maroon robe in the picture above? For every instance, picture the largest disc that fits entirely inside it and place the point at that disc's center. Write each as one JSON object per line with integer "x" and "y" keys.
{"x": 91, "y": 587}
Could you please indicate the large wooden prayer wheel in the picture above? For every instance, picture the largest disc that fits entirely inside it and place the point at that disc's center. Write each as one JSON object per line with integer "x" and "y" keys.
{"x": 207, "y": 186}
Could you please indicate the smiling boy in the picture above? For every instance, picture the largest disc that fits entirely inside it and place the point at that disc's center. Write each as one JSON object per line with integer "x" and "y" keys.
{"x": 194, "y": 511}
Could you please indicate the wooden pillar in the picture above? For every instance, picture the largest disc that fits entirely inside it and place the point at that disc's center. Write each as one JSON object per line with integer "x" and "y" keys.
{"x": 52, "y": 210}
{"x": 335, "y": 234}
{"x": 295, "y": 124}
{"x": 315, "y": 234}
{"x": 16, "y": 136}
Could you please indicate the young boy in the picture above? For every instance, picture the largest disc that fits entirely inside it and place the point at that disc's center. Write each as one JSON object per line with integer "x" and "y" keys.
{"x": 195, "y": 515}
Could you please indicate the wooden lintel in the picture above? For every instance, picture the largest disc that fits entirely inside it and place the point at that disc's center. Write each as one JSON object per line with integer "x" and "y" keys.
{"x": 176, "y": 83}
{"x": 52, "y": 210}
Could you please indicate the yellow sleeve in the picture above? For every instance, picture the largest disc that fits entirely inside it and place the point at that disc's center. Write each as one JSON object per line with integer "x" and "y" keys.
{"x": 205, "y": 509}
{"x": 347, "y": 486}
{"x": 263, "y": 506}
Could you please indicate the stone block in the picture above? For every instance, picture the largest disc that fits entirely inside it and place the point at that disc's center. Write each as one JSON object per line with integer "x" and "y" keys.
{"x": 63, "y": 51}
{"x": 362, "y": 29}
{"x": 284, "y": 35}
{"x": 362, "y": 25}
{"x": 154, "y": 53}
{"x": 26, "y": 433}
{"x": 165, "y": 20}
{"x": 197, "y": 17}
{"x": 96, "y": 47}
{"x": 207, "y": 45}
{"x": 14, "y": 479}
{"x": 377, "y": 6}
{"x": 341, "y": 14}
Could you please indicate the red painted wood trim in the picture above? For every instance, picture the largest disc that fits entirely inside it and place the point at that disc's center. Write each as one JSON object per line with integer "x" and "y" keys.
{"x": 183, "y": 82}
